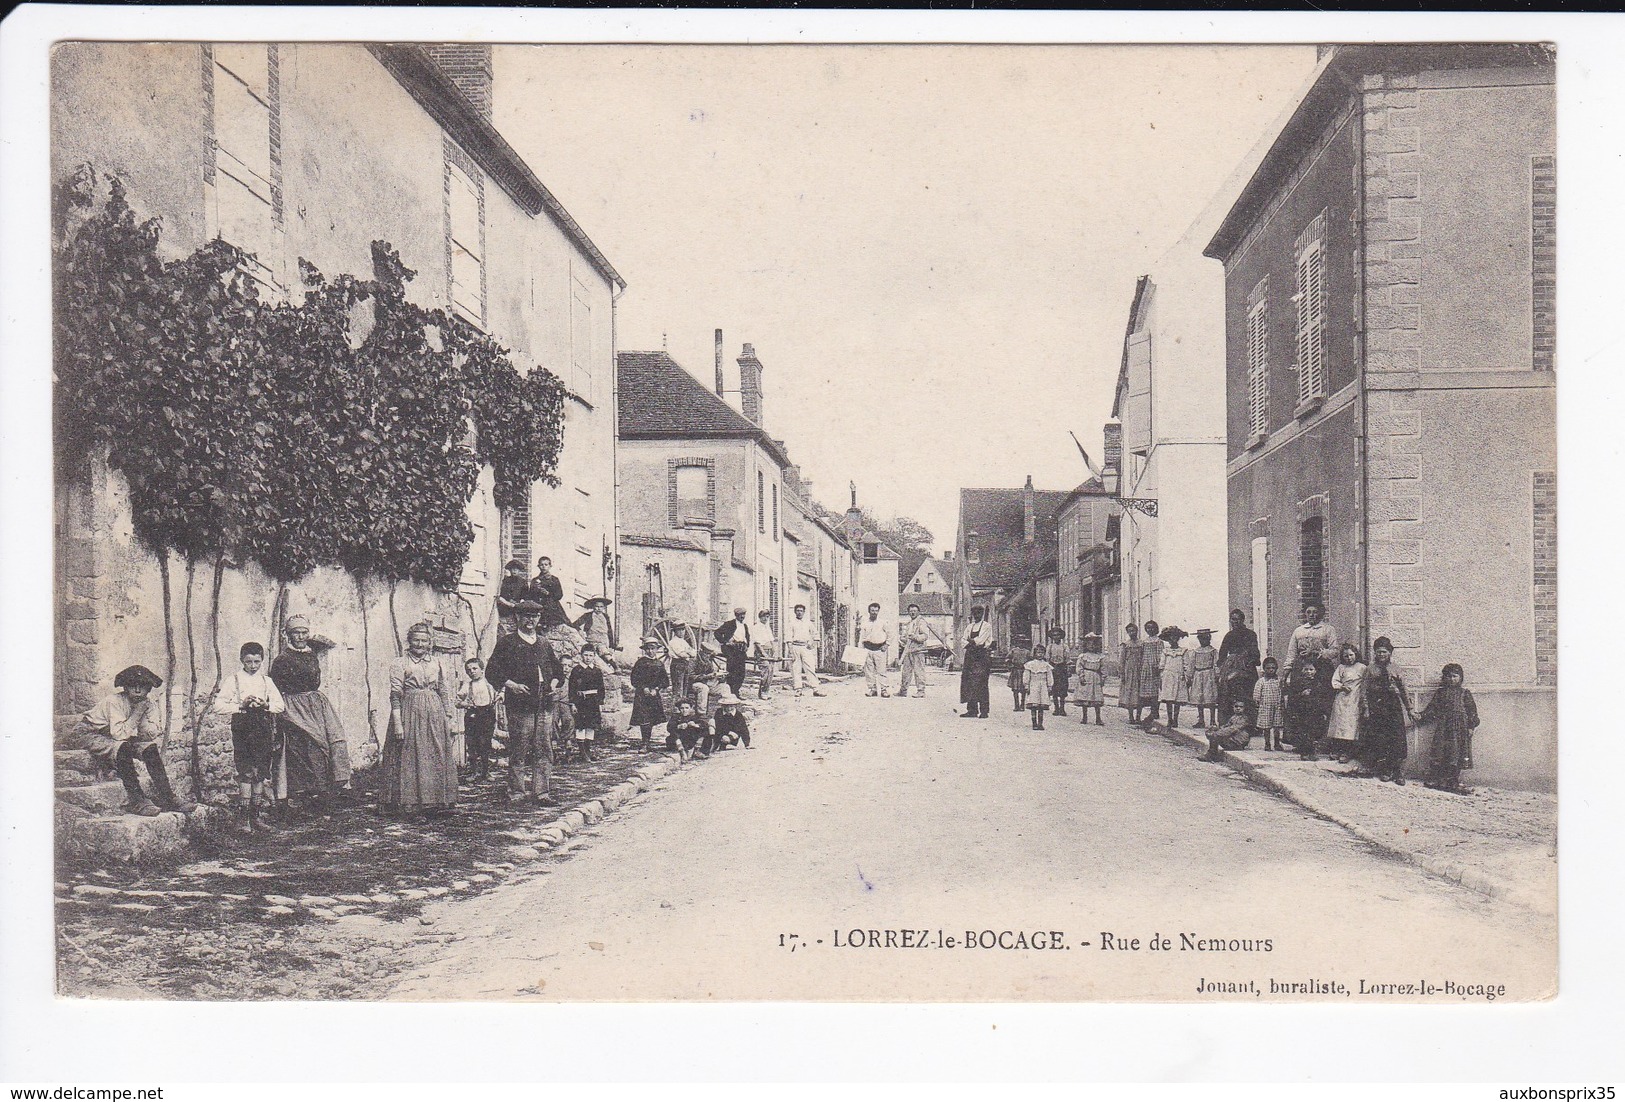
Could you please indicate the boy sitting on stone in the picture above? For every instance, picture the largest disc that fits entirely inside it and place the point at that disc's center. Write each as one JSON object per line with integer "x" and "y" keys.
{"x": 127, "y": 726}
{"x": 1234, "y": 735}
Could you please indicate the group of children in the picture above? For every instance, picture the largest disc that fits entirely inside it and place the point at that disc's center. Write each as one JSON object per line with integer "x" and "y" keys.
{"x": 707, "y": 716}
{"x": 1052, "y": 676}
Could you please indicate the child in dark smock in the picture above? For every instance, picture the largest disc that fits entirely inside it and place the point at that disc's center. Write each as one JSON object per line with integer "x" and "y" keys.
{"x": 586, "y": 698}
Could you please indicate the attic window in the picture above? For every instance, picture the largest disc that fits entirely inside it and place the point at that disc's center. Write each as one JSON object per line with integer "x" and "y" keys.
{"x": 871, "y": 552}
{"x": 972, "y": 554}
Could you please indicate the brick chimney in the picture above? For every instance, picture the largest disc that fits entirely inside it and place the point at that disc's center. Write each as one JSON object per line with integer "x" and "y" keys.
{"x": 719, "y": 363}
{"x": 468, "y": 64}
{"x": 1029, "y": 520}
{"x": 750, "y": 385}
{"x": 1112, "y": 433}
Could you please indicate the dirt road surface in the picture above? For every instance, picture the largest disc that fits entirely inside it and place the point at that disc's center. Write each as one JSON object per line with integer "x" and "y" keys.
{"x": 751, "y": 876}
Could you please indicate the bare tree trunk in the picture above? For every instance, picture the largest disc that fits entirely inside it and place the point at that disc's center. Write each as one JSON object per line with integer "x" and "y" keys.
{"x": 274, "y": 636}
{"x": 169, "y": 648}
{"x": 474, "y": 623}
{"x": 219, "y": 675}
{"x": 366, "y": 656}
{"x": 191, "y": 643}
{"x": 394, "y": 624}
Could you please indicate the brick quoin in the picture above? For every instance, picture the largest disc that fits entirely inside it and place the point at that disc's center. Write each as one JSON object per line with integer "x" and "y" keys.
{"x": 1545, "y": 576}
{"x": 1543, "y": 259}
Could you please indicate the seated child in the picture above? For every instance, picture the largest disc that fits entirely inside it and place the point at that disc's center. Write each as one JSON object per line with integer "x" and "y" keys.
{"x": 1037, "y": 677}
{"x": 252, "y": 700}
{"x": 1234, "y": 735}
{"x": 586, "y": 698}
{"x": 686, "y": 731}
{"x": 127, "y": 726}
{"x": 730, "y": 728}
{"x": 478, "y": 700}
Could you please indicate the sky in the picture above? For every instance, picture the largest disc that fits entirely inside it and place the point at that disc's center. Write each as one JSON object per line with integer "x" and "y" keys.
{"x": 932, "y": 248}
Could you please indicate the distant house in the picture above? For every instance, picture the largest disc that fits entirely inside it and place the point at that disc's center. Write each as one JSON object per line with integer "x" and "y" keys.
{"x": 1087, "y": 529}
{"x": 1390, "y": 319}
{"x": 923, "y": 574}
{"x": 1006, "y": 543}
{"x": 826, "y": 563}
{"x": 703, "y": 516}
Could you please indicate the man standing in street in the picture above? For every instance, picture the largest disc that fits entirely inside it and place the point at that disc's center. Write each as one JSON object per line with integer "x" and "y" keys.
{"x": 977, "y": 644}
{"x": 735, "y": 638}
{"x": 527, "y": 671}
{"x": 917, "y": 636}
{"x": 799, "y": 635}
{"x": 548, "y": 592}
{"x": 875, "y": 638}
{"x": 766, "y": 650}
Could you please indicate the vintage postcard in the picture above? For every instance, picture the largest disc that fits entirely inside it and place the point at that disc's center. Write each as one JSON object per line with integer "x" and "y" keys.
{"x": 917, "y": 523}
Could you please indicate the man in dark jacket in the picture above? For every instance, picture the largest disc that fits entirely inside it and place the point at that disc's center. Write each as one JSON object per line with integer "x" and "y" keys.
{"x": 529, "y": 674}
{"x": 735, "y": 637}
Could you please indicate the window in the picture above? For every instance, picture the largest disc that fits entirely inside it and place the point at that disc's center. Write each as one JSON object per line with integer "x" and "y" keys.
{"x": 517, "y": 522}
{"x": 693, "y": 486}
{"x": 871, "y": 552}
{"x": 773, "y": 605}
{"x": 1258, "y": 370}
{"x": 243, "y": 155}
{"x": 972, "y": 554}
{"x": 465, "y": 229}
{"x": 761, "y": 502}
{"x": 581, "y": 338}
{"x": 919, "y": 587}
{"x": 1311, "y": 323}
{"x": 1312, "y": 562}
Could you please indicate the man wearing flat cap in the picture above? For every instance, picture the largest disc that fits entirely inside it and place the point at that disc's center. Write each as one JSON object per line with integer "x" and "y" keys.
{"x": 512, "y": 591}
{"x": 737, "y": 639}
{"x": 524, "y": 666}
{"x": 126, "y": 726}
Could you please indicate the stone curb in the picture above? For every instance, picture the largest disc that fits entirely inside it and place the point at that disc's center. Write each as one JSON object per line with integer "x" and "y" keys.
{"x": 1472, "y": 879}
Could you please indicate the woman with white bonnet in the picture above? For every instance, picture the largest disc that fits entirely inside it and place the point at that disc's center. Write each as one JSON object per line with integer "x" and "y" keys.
{"x": 417, "y": 773}
{"x": 316, "y": 755}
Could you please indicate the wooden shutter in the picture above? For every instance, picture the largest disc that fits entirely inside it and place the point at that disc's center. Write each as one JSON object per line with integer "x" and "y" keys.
{"x": 1258, "y": 374}
{"x": 1311, "y": 303}
{"x": 1137, "y": 422}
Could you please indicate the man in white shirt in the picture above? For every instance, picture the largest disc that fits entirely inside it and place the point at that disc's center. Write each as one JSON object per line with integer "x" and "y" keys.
{"x": 735, "y": 639}
{"x": 799, "y": 635}
{"x": 766, "y": 649}
{"x": 875, "y": 637}
{"x": 917, "y": 636}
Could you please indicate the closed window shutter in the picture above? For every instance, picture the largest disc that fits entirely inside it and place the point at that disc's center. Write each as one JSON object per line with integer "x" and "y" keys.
{"x": 1311, "y": 317}
{"x": 1258, "y": 376}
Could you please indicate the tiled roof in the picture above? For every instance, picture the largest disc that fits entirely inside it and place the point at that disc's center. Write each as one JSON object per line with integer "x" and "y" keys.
{"x": 659, "y": 399}
{"x": 931, "y": 604}
{"x": 1004, "y": 558}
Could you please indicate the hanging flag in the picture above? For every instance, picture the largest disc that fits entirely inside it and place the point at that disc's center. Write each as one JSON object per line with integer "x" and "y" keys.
{"x": 1087, "y": 462}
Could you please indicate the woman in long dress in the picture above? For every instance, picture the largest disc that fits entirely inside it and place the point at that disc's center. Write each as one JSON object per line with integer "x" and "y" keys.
{"x": 1385, "y": 708}
{"x": 418, "y": 774}
{"x": 314, "y": 757}
{"x": 1128, "y": 679}
{"x": 1343, "y": 731}
{"x": 1454, "y": 715}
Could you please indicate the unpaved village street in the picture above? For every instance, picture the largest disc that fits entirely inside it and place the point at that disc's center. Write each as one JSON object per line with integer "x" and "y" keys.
{"x": 747, "y": 876}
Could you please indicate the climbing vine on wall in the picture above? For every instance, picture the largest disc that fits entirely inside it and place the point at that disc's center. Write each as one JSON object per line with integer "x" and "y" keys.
{"x": 345, "y": 428}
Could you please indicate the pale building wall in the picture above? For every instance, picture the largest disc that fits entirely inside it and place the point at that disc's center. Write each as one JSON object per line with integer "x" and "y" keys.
{"x": 360, "y": 161}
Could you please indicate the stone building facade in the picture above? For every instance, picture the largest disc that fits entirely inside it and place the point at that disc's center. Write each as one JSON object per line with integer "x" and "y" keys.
{"x": 313, "y": 151}
{"x": 1389, "y": 306}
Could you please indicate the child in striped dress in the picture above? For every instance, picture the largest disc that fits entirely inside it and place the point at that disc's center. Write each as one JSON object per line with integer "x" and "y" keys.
{"x": 1128, "y": 678}
{"x": 1267, "y": 704}
{"x": 1150, "y": 672}
{"x": 1091, "y": 678}
{"x": 1204, "y": 679}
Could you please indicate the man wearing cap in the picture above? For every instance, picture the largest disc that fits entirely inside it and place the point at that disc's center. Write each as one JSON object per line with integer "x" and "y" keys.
{"x": 737, "y": 641}
{"x": 798, "y": 637}
{"x": 875, "y": 637}
{"x": 524, "y": 666}
{"x": 917, "y": 636}
{"x": 548, "y": 592}
{"x": 512, "y": 591}
{"x": 126, "y": 726}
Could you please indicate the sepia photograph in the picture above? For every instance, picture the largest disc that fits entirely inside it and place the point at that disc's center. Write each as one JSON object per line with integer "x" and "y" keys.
{"x": 1061, "y": 522}
{"x": 956, "y": 523}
